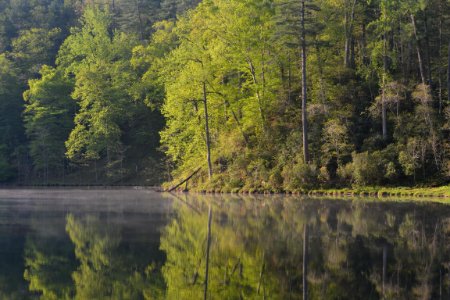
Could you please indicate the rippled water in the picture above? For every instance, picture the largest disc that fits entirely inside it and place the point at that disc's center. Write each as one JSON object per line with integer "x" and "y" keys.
{"x": 139, "y": 244}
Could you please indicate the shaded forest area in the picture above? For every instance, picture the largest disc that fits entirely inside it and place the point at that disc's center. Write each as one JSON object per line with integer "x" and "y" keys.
{"x": 261, "y": 95}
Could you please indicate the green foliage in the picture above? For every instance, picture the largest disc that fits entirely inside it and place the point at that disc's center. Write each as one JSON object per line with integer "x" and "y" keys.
{"x": 101, "y": 86}
{"x": 257, "y": 244}
{"x": 366, "y": 168}
{"x": 251, "y": 85}
{"x": 35, "y": 47}
{"x": 48, "y": 118}
{"x": 299, "y": 175}
{"x": 374, "y": 168}
{"x": 49, "y": 273}
{"x": 6, "y": 170}
{"x": 104, "y": 271}
{"x": 10, "y": 117}
{"x": 218, "y": 83}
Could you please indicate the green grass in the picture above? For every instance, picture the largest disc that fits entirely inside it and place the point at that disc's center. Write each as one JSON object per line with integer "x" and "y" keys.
{"x": 432, "y": 194}
{"x": 442, "y": 192}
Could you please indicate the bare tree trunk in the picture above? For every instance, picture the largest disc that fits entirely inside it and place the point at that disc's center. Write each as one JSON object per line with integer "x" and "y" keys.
{"x": 321, "y": 78}
{"x": 289, "y": 80}
{"x": 383, "y": 114}
{"x": 304, "y": 88}
{"x": 239, "y": 126}
{"x": 348, "y": 57}
{"x": 258, "y": 95}
{"x": 347, "y": 39}
{"x": 419, "y": 56}
{"x": 364, "y": 44}
{"x": 427, "y": 48}
{"x": 141, "y": 25}
{"x": 208, "y": 139}
{"x": 64, "y": 171}
{"x": 96, "y": 173}
{"x": 448, "y": 73}
{"x": 184, "y": 181}
{"x": 383, "y": 88}
{"x": 440, "y": 53}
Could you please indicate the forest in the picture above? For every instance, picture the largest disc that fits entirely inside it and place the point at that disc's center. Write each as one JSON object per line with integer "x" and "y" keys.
{"x": 238, "y": 95}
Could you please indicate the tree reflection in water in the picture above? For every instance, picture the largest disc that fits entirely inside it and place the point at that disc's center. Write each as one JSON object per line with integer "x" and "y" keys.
{"x": 256, "y": 249}
{"x": 357, "y": 250}
{"x": 102, "y": 265}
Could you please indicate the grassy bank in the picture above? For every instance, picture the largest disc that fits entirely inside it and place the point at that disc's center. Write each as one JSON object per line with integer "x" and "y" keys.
{"x": 442, "y": 192}
{"x": 427, "y": 192}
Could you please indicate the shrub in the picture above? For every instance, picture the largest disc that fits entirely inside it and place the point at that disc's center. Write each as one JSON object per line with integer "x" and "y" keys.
{"x": 345, "y": 173}
{"x": 376, "y": 167}
{"x": 367, "y": 168}
{"x": 299, "y": 176}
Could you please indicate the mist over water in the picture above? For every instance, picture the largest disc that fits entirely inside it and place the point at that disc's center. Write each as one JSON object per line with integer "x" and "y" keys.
{"x": 139, "y": 244}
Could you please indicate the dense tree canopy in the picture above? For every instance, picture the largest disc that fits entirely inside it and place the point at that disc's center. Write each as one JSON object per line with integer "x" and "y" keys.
{"x": 260, "y": 95}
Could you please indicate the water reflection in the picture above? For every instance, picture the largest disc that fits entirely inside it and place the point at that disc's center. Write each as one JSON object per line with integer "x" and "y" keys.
{"x": 153, "y": 246}
{"x": 49, "y": 262}
{"x": 357, "y": 250}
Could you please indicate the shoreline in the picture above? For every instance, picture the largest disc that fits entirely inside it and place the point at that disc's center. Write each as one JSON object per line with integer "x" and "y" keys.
{"x": 438, "y": 193}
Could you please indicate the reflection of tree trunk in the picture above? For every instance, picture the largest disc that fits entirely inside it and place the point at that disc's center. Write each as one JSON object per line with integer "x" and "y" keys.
{"x": 261, "y": 274}
{"x": 235, "y": 268}
{"x": 208, "y": 245}
{"x": 397, "y": 288}
{"x": 305, "y": 262}
{"x": 384, "y": 269}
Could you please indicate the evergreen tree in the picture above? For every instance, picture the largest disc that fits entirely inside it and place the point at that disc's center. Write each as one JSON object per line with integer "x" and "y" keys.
{"x": 49, "y": 112}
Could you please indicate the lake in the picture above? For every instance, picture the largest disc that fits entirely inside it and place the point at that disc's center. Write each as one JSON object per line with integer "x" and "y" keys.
{"x": 139, "y": 244}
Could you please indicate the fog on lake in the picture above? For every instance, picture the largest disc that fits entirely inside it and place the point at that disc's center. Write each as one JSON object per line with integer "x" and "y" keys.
{"x": 140, "y": 244}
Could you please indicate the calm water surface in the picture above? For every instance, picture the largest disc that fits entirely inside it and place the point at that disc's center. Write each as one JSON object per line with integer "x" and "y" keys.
{"x": 138, "y": 244}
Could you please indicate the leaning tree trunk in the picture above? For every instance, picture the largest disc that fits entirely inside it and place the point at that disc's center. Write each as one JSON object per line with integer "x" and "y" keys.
{"x": 304, "y": 90}
{"x": 208, "y": 139}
